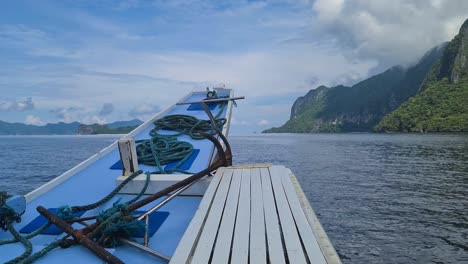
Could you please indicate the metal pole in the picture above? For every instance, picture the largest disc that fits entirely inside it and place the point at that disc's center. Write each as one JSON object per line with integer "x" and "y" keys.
{"x": 146, "y": 249}
{"x": 165, "y": 201}
{"x": 212, "y": 100}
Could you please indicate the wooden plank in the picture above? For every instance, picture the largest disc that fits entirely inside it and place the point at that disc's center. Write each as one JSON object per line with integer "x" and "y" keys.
{"x": 291, "y": 237}
{"x": 188, "y": 242}
{"x": 205, "y": 244}
{"x": 257, "y": 220}
{"x": 240, "y": 246}
{"x": 275, "y": 246}
{"x": 128, "y": 156}
{"x": 223, "y": 244}
{"x": 325, "y": 244}
{"x": 305, "y": 231}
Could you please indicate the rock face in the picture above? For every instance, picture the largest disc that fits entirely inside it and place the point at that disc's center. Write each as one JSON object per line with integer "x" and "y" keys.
{"x": 442, "y": 102}
{"x": 303, "y": 102}
{"x": 360, "y": 107}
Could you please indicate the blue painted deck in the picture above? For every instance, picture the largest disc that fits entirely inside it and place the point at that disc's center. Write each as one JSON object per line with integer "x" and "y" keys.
{"x": 96, "y": 181}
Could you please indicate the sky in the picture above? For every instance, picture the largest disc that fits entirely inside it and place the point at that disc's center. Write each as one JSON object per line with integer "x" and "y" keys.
{"x": 103, "y": 61}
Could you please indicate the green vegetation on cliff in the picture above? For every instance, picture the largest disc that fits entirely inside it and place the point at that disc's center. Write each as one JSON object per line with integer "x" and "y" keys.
{"x": 442, "y": 107}
{"x": 360, "y": 107}
{"x": 442, "y": 103}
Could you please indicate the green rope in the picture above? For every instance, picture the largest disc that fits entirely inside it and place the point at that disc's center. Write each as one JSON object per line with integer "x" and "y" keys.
{"x": 23, "y": 241}
{"x": 116, "y": 223}
{"x": 41, "y": 252}
{"x": 8, "y": 216}
{"x": 188, "y": 125}
{"x": 64, "y": 212}
{"x": 110, "y": 195}
{"x": 161, "y": 150}
{"x": 28, "y": 236}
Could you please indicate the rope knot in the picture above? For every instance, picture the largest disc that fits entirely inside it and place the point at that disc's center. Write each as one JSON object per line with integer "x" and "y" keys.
{"x": 7, "y": 217}
{"x": 7, "y": 214}
{"x": 65, "y": 212}
{"x": 117, "y": 222}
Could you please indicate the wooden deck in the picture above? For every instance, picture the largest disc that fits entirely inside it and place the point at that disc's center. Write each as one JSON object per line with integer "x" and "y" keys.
{"x": 255, "y": 214}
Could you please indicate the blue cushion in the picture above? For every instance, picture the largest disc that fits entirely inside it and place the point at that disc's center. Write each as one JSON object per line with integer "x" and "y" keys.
{"x": 40, "y": 221}
{"x": 156, "y": 219}
{"x": 185, "y": 166}
{"x": 117, "y": 165}
{"x": 198, "y": 107}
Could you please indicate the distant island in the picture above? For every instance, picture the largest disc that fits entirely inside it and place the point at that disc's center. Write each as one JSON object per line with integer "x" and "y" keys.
{"x": 430, "y": 96}
{"x": 74, "y": 128}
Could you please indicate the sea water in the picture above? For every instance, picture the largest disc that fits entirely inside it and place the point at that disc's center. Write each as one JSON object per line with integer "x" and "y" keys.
{"x": 399, "y": 198}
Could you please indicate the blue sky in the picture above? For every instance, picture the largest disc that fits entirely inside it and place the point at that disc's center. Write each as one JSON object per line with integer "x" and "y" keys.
{"x": 102, "y": 61}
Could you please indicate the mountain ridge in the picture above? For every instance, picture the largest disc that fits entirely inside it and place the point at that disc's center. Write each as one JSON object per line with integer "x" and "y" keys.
{"x": 62, "y": 128}
{"x": 360, "y": 107}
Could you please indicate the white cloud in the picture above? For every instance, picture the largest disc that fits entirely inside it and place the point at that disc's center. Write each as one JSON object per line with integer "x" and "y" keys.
{"x": 78, "y": 114}
{"x": 263, "y": 122}
{"x": 144, "y": 111}
{"x": 328, "y": 10}
{"x": 33, "y": 120}
{"x": 93, "y": 120}
{"x": 24, "y": 105}
{"x": 392, "y": 32}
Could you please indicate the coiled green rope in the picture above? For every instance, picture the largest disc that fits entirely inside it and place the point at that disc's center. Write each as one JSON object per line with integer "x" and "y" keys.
{"x": 185, "y": 124}
{"x": 161, "y": 149}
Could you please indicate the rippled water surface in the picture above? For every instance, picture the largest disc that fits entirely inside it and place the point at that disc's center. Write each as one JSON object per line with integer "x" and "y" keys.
{"x": 381, "y": 198}
{"x": 27, "y": 162}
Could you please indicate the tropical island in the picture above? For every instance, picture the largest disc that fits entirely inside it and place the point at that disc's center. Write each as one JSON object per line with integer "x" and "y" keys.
{"x": 429, "y": 96}
{"x": 73, "y": 128}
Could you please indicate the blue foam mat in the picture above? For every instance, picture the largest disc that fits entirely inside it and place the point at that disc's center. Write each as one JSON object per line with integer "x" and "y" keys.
{"x": 198, "y": 107}
{"x": 185, "y": 166}
{"x": 40, "y": 221}
{"x": 117, "y": 165}
{"x": 156, "y": 220}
